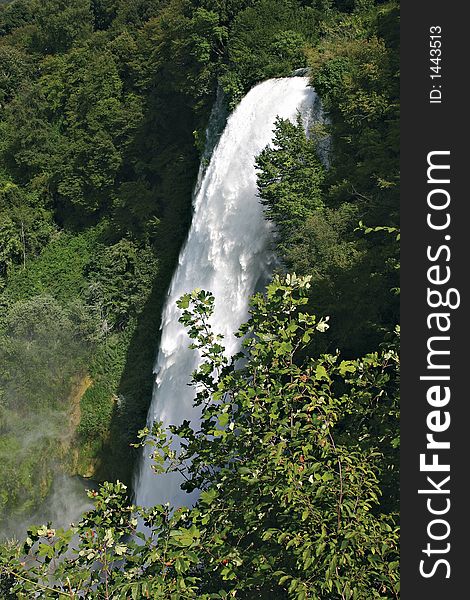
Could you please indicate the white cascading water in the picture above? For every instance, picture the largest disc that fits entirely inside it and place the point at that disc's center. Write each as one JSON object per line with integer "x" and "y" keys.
{"x": 227, "y": 253}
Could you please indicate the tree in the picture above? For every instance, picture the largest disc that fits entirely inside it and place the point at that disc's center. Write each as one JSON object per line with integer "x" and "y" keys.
{"x": 26, "y": 225}
{"x": 182, "y": 46}
{"x": 267, "y": 39}
{"x": 70, "y": 129}
{"x": 61, "y": 23}
{"x": 16, "y": 67}
{"x": 290, "y": 179}
{"x": 120, "y": 278}
{"x": 16, "y": 14}
{"x": 11, "y": 247}
{"x": 97, "y": 119}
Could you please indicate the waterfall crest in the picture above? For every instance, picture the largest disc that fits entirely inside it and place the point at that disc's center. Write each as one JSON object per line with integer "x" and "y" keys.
{"x": 226, "y": 252}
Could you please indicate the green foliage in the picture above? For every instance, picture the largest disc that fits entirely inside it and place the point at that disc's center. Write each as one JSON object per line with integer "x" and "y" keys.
{"x": 16, "y": 14}
{"x": 120, "y": 278}
{"x": 290, "y": 179}
{"x": 96, "y": 410}
{"x": 97, "y": 441}
{"x": 39, "y": 351}
{"x": 99, "y": 103}
{"x": 10, "y": 245}
{"x": 23, "y": 212}
{"x": 267, "y": 40}
{"x": 60, "y": 24}
{"x": 354, "y": 69}
{"x": 87, "y": 117}
{"x": 30, "y": 141}
{"x": 58, "y": 270}
{"x": 290, "y": 503}
{"x": 182, "y": 46}
{"x": 16, "y": 67}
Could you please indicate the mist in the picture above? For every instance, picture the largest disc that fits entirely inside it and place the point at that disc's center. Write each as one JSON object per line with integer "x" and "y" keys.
{"x": 66, "y": 502}
{"x": 42, "y": 364}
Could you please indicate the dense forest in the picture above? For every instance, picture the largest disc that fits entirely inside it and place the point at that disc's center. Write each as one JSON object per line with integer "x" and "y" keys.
{"x": 104, "y": 107}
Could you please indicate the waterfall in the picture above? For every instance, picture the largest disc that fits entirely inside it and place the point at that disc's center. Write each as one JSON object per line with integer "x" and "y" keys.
{"x": 226, "y": 252}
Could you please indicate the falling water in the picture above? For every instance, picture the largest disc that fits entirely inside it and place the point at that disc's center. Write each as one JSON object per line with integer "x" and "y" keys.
{"x": 226, "y": 253}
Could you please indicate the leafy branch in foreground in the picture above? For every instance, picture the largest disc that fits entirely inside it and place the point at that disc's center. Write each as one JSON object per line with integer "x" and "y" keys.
{"x": 291, "y": 460}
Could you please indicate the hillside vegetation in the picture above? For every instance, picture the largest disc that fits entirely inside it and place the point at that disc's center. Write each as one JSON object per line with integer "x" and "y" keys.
{"x": 104, "y": 108}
